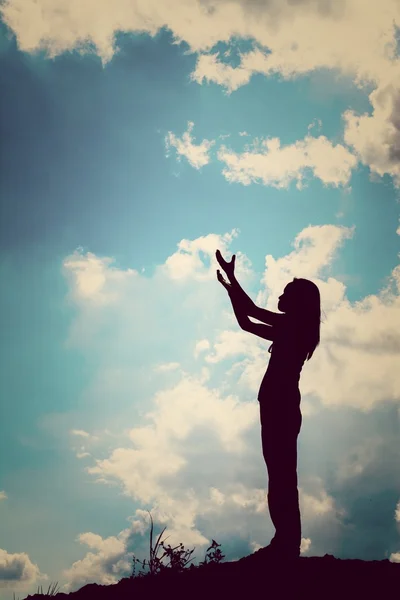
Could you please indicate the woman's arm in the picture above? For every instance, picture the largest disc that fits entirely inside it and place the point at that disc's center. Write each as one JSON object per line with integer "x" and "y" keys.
{"x": 261, "y": 314}
{"x": 263, "y": 331}
{"x": 239, "y": 308}
{"x": 245, "y": 300}
{"x": 266, "y": 316}
{"x": 247, "y": 304}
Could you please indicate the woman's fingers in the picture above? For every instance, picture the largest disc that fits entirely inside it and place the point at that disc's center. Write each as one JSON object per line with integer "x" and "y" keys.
{"x": 221, "y": 279}
{"x": 228, "y": 266}
{"x": 220, "y": 259}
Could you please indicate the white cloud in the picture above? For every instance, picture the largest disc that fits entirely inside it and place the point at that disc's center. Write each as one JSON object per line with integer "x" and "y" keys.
{"x": 290, "y": 39}
{"x": 171, "y": 366}
{"x": 180, "y": 411}
{"x": 195, "y": 259}
{"x": 200, "y": 347}
{"x": 397, "y": 512}
{"x": 361, "y": 456}
{"x": 315, "y": 249}
{"x": 196, "y": 154}
{"x": 83, "y": 454}
{"x": 93, "y": 279}
{"x": 229, "y": 344}
{"x": 318, "y": 506}
{"x": 209, "y": 68}
{"x": 270, "y": 164}
{"x": 395, "y": 557}
{"x": 3, "y": 496}
{"x": 80, "y": 432}
{"x": 17, "y": 571}
{"x": 305, "y": 545}
{"x": 297, "y": 38}
{"x": 109, "y": 562}
{"x": 88, "y": 437}
{"x": 375, "y": 138}
{"x": 300, "y": 37}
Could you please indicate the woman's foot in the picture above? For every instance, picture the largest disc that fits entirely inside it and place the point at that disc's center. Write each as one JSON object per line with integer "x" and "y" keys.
{"x": 266, "y": 553}
{"x": 273, "y": 552}
{"x": 285, "y": 550}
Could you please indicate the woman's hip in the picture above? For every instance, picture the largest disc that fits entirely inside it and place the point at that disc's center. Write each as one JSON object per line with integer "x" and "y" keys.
{"x": 280, "y": 421}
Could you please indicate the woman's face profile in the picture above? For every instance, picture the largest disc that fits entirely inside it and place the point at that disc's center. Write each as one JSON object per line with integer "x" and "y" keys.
{"x": 285, "y": 299}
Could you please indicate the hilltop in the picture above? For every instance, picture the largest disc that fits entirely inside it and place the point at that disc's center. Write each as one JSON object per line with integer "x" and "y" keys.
{"x": 308, "y": 577}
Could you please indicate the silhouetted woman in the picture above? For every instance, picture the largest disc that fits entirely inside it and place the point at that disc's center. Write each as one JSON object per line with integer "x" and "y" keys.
{"x": 295, "y": 335}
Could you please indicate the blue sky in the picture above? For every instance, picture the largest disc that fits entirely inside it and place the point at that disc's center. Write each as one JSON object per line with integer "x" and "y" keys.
{"x": 124, "y": 376}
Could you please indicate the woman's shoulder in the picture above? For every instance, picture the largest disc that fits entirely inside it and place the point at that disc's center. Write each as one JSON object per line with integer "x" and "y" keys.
{"x": 289, "y": 326}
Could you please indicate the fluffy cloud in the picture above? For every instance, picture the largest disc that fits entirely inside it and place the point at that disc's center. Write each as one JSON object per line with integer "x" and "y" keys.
{"x": 18, "y": 571}
{"x": 171, "y": 366}
{"x": 179, "y": 413}
{"x": 201, "y": 346}
{"x": 84, "y": 434}
{"x": 195, "y": 259}
{"x": 265, "y": 161}
{"x": 315, "y": 248}
{"x": 270, "y": 164}
{"x": 93, "y": 280}
{"x": 106, "y": 564}
{"x": 193, "y": 433}
{"x": 209, "y": 68}
{"x": 81, "y": 451}
{"x": 196, "y": 154}
{"x": 397, "y": 512}
{"x": 289, "y": 38}
{"x": 375, "y": 138}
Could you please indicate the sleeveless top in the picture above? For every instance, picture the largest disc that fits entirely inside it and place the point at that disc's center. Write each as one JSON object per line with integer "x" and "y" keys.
{"x": 288, "y": 354}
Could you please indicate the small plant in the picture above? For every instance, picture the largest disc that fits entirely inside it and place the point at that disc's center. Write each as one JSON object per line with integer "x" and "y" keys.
{"x": 52, "y": 591}
{"x": 215, "y": 556}
{"x": 178, "y": 559}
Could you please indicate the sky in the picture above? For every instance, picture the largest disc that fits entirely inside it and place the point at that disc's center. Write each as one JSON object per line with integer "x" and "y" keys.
{"x": 137, "y": 138}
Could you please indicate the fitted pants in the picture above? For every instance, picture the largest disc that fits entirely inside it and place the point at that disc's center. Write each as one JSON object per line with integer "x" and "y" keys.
{"x": 279, "y": 432}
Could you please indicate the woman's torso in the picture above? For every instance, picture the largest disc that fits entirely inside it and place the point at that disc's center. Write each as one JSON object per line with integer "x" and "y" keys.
{"x": 280, "y": 384}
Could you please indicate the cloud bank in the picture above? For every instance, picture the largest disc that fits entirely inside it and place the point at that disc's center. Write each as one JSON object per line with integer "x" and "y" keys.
{"x": 289, "y": 38}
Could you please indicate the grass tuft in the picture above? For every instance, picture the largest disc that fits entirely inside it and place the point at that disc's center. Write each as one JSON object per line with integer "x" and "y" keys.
{"x": 178, "y": 557}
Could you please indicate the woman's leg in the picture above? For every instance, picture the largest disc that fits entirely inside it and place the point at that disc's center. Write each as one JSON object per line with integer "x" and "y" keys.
{"x": 279, "y": 443}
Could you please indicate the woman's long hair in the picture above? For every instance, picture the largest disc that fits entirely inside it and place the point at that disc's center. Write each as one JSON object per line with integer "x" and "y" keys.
{"x": 307, "y": 304}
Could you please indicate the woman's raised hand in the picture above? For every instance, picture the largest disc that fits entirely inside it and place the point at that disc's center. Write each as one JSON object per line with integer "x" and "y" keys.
{"x": 221, "y": 279}
{"x": 228, "y": 267}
